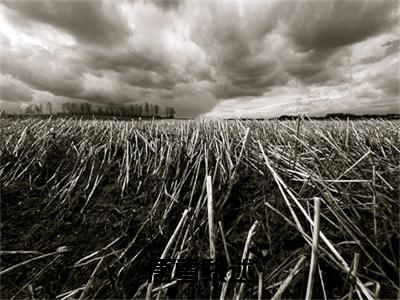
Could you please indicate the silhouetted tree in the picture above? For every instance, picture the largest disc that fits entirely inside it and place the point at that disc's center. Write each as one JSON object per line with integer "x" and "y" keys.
{"x": 100, "y": 111}
{"x": 156, "y": 110}
{"x": 111, "y": 109}
{"x": 169, "y": 112}
{"x": 75, "y": 108}
{"x": 85, "y": 108}
{"x": 152, "y": 110}
{"x": 49, "y": 108}
{"x": 172, "y": 112}
{"x": 38, "y": 109}
{"x": 29, "y": 110}
{"x": 65, "y": 107}
{"x": 81, "y": 109}
{"x": 140, "y": 110}
{"x": 146, "y": 109}
{"x": 132, "y": 110}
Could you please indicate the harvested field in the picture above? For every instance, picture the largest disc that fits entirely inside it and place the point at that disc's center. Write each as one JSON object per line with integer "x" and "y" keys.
{"x": 87, "y": 206}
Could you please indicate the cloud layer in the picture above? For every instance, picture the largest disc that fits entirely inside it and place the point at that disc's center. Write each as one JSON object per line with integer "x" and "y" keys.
{"x": 217, "y": 59}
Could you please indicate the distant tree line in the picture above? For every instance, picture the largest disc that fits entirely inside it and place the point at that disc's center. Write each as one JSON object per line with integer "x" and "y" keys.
{"x": 344, "y": 116}
{"x": 34, "y": 109}
{"x": 111, "y": 110}
{"x": 366, "y": 116}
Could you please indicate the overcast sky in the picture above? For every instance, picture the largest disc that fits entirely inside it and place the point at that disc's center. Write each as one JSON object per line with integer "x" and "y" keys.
{"x": 205, "y": 58}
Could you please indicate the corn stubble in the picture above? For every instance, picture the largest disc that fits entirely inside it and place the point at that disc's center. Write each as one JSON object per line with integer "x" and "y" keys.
{"x": 88, "y": 205}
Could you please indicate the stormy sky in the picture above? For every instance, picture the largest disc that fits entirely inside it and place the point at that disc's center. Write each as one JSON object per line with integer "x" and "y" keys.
{"x": 205, "y": 58}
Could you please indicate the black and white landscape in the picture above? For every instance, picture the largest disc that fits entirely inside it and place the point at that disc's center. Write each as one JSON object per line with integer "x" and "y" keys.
{"x": 199, "y": 149}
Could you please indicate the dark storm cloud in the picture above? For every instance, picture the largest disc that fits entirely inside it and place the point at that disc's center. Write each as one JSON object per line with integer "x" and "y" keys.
{"x": 250, "y": 71}
{"x": 12, "y": 90}
{"x": 143, "y": 68}
{"x": 167, "y": 4}
{"x": 319, "y": 33}
{"x": 194, "y": 54}
{"x": 233, "y": 40}
{"x": 318, "y": 67}
{"x": 92, "y": 22}
{"x": 148, "y": 79}
{"x": 121, "y": 60}
{"x": 249, "y": 76}
{"x": 239, "y": 41}
{"x": 332, "y": 24}
{"x": 370, "y": 59}
{"x": 35, "y": 72}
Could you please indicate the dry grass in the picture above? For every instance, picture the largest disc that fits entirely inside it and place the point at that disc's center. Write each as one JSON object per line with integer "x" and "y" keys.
{"x": 86, "y": 206}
